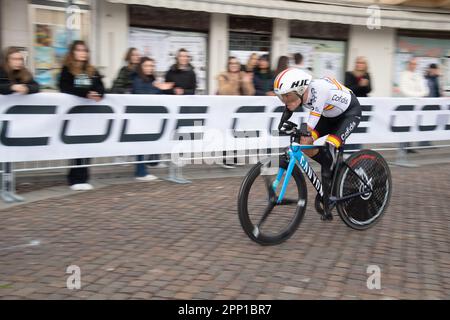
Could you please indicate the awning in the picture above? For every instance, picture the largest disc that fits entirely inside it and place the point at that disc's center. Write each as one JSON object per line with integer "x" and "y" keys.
{"x": 353, "y": 14}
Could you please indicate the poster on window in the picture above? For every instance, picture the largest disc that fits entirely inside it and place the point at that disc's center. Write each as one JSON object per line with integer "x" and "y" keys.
{"x": 323, "y": 58}
{"x": 50, "y": 49}
{"x": 152, "y": 44}
{"x": 306, "y": 50}
{"x": 329, "y": 64}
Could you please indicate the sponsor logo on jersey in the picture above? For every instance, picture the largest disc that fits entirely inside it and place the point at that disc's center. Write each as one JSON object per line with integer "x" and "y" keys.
{"x": 348, "y": 130}
{"x": 313, "y": 96}
{"x": 340, "y": 99}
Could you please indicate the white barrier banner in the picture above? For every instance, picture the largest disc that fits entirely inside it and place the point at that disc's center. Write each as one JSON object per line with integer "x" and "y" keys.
{"x": 51, "y": 126}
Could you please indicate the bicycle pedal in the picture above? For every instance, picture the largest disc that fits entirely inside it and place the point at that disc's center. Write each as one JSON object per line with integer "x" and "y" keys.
{"x": 326, "y": 217}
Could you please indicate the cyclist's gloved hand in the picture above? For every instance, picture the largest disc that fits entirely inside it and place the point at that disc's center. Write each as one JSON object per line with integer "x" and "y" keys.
{"x": 288, "y": 127}
{"x": 287, "y": 114}
{"x": 304, "y": 130}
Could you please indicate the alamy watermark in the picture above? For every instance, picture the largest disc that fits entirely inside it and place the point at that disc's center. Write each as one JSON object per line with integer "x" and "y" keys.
{"x": 374, "y": 280}
{"x": 74, "y": 280}
{"x": 73, "y": 17}
{"x": 374, "y": 17}
{"x": 212, "y": 146}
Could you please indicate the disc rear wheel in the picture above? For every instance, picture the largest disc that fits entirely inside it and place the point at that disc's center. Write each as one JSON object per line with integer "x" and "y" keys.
{"x": 370, "y": 176}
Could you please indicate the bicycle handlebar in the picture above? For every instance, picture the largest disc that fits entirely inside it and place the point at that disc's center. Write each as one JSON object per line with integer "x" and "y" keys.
{"x": 297, "y": 132}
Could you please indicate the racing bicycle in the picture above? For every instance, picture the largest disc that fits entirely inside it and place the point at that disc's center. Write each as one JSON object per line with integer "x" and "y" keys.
{"x": 273, "y": 197}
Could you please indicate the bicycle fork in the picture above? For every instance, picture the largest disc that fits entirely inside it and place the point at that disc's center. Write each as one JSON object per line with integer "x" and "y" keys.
{"x": 287, "y": 177}
{"x": 309, "y": 172}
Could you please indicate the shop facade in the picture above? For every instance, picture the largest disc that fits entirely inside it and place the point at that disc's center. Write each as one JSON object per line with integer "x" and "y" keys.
{"x": 329, "y": 37}
{"x": 45, "y": 29}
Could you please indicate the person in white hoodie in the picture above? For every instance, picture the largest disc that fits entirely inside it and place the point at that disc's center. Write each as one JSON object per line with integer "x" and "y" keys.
{"x": 412, "y": 84}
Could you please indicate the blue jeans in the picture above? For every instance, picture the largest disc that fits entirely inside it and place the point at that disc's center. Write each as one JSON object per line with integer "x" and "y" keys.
{"x": 141, "y": 169}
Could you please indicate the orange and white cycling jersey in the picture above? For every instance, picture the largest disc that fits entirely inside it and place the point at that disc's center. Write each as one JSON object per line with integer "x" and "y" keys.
{"x": 326, "y": 97}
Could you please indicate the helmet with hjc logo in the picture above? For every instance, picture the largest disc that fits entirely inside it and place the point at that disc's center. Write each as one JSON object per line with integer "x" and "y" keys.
{"x": 291, "y": 80}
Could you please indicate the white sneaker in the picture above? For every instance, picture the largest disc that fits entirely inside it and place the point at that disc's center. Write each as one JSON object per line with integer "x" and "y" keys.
{"x": 87, "y": 186}
{"x": 77, "y": 187}
{"x": 227, "y": 166}
{"x": 148, "y": 177}
{"x": 81, "y": 187}
{"x": 160, "y": 165}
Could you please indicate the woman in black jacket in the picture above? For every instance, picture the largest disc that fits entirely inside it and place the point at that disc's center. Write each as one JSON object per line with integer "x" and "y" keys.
{"x": 80, "y": 78}
{"x": 14, "y": 78}
{"x": 358, "y": 80}
{"x": 182, "y": 74}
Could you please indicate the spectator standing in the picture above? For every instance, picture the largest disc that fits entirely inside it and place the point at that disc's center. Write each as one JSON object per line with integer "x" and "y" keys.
{"x": 432, "y": 77}
{"x": 234, "y": 82}
{"x": 14, "y": 78}
{"x": 251, "y": 64}
{"x": 124, "y": 81}
{"x": 145, "y": 83}
{"x": 283, "y": 64}
{"x": 80, "y": 78}
{"x": 263, "y": 77}
{"x": 123, "y": 84}
{"x": 412, "y": 84}
{"x": 359, "y": 82}
{"x": 299, "y": 62}
{"x": 182, "y": 75}
{"x": 434, "y": 90}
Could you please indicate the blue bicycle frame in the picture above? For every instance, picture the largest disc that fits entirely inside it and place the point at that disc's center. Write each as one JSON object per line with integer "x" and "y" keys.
{"x": 295, "y": 152}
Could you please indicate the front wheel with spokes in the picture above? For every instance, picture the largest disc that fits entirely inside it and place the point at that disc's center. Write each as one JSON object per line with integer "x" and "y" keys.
{"x": 263, "y": 219}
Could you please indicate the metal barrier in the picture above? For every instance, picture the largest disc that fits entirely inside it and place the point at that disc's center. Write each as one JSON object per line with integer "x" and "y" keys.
{"x": 8, "y": 172}
{"x": 175, "y": 171}
{"x": 8, "y": 191}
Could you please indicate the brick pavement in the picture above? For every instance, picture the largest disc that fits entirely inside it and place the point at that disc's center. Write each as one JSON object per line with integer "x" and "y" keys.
{"x": 159, "y": 240}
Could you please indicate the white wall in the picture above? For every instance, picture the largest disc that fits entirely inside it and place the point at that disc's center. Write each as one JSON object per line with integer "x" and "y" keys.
{"x": 217, "y": 48}
{"x": 14, "y": 26}
{"x": 111, "y": 38}
{"x": 280, "y": 41}
{"x": 378, "y": 46}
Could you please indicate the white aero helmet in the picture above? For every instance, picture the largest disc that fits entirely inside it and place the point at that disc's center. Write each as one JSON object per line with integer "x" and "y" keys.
{"x": 291, "y": 79}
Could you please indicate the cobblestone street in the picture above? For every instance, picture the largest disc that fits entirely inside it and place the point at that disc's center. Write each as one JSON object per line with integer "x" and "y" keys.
{"x": 160, "y": 240}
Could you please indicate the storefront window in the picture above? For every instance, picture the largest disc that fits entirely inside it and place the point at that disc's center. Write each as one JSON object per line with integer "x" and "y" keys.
{"x": 242, "y": 45}
{"x": 249, "y": 35}
{"x": 54, "y": 26}
{"x": 323, "y": 58}
{"x": 426, "y": 51}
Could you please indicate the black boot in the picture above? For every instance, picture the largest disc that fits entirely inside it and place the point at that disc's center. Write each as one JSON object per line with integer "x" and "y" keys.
{"x": 326, "y": 188}
{"x": 283, "y": 161}
{"x": 326, "y": 157}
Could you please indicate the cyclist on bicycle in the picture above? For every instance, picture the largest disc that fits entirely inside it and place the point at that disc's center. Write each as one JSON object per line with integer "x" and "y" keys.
{"x": 334, "y": 111}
